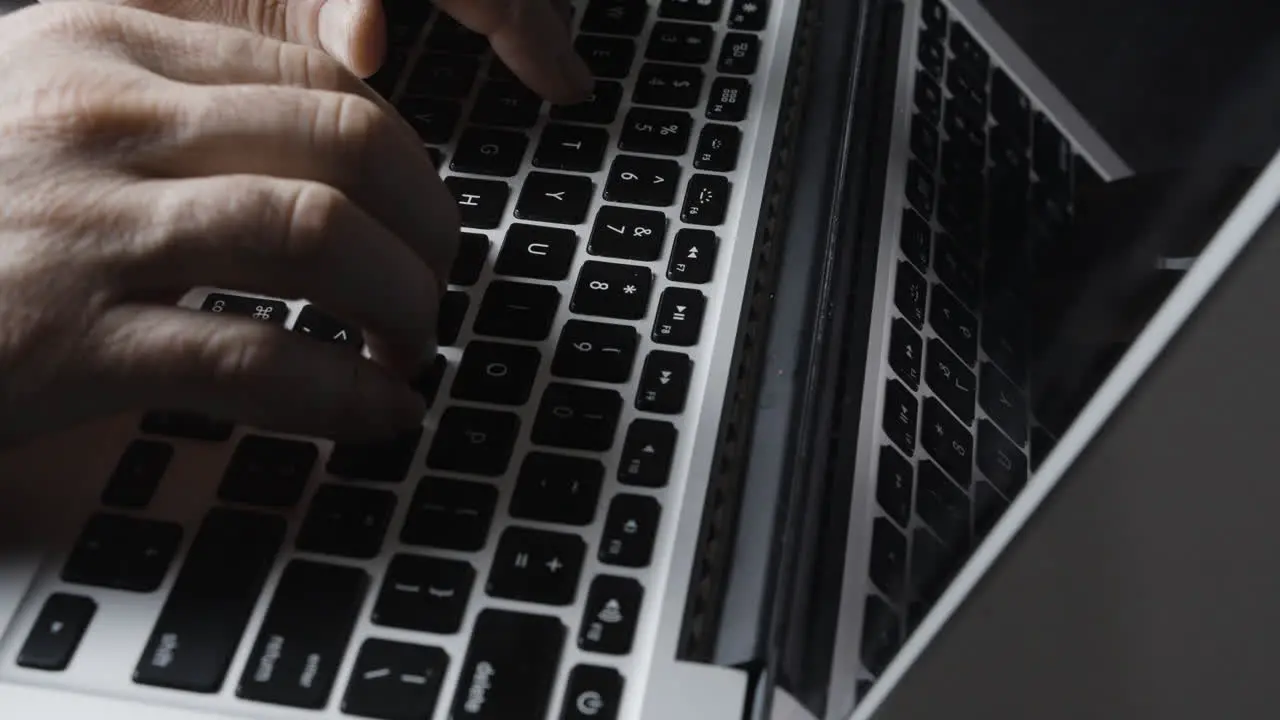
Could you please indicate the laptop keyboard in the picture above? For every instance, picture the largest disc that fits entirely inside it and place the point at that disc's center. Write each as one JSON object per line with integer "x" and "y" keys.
{"x": 989, "y": 186}
{"x": 501, "y": 567}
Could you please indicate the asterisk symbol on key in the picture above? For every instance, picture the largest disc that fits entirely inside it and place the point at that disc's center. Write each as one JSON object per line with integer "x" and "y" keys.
{"x": 630, "y": 289}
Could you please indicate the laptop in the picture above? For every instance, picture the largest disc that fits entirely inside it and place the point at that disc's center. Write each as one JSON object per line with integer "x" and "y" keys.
{"x": 732, "y": 381}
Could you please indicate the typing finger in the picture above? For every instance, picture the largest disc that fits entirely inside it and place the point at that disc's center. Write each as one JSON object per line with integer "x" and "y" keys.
{"x": 332, "y": 138}
{"x": 533, "y": 40}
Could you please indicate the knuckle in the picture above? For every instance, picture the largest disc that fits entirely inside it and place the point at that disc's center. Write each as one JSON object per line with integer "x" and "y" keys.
{"x": 308, "y": 67}
{"x": 360, "y": 122}
{"x": 268, "y": 17}
{"x": 309, "y": 211}
{"x": 232, "y": 354}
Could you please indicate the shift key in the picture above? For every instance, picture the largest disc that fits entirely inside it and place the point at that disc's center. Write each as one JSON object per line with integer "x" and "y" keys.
{"x": 304, "y": 635}
{"x": 510, "y": 667}
{"x": 205, "y": 615}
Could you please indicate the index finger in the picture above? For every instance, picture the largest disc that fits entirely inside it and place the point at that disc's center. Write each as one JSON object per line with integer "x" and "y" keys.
{"x": 532, "y": 39}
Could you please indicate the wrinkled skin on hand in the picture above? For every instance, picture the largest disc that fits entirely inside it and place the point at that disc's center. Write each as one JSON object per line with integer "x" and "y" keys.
{"x": 141, "y": 156}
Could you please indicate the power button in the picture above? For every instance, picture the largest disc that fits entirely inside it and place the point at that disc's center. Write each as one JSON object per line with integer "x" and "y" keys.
{"x": 593, "y": 693}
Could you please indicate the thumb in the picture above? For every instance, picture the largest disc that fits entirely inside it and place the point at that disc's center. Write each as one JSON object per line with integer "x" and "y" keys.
{"x": 352, "y": 31}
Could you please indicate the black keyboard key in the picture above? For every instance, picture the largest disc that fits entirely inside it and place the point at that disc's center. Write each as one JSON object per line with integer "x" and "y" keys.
{"x": 676, "y": 86}
{"x": 932, "y": 565}
{"x": 969, "y": 54}
{"x": 956, "y": 271}
{"x": 943, "y": 506}
{"x": 315, "y": 324}
{"x": 656, "y": 132}
{"x": 481, "y": 203}
{"x": 948, "y": 441}
{"x": 474, "y": 441}
{"x": 520, "y": 311}
{"x": 453, "y": 312}
{"x": 557, "y": 489}
{"x": 647, "y": 453}
{"x": 577, "y": 417}
{"x": 122, "y": 553}
{"x": 664, "y": 383}
{"x": 427, "y": 594}
{"x": 963, "y": 121}
{"x": 730, "y": 98}
{"x": 881, "y": 635}
{"x": 909, "y": 294}
{"x": 537, "y": 566}
{"x": 1051, "y": 154}
{"x": 678, "y": 320}
{"x": 906, "y": 350}
{"x": 510, "y": 667}
{"x": 1004, "y": 339}
{"x": 915, "y": 238}
{"x": 437, "y": 158}
{"x": 427, "y": 381}
{"x": 1003, "y": 402}
{"x": 749, "y": 15}
{"x": 506, "y": 104}
{"x": 486, "y": 151}
{"x": 888, "y": 558}
{"x": 951, "y": 380}
{"x": 934, "y": 16}
{"x": 680, "y": 43}
{"x": 137, "y": 474}
{"x": 717, "y": 148}
{"x": 395, "y": 680}
{"x": 268, "y": 471}
{"x": 435, "y": 119}
{"x": 954, "y": 324}
{"x": 1042, "y": 443}
{"x": 963, "y": 83}
{"x": 615, "y": 17}
{"x": 739, "y": 54}
{"x": 600, "y": 108}
{"x": 450, "y": 514}
{"x": 630, "y": 530}
{"x": 496, "y": 373}
{"x": 346, "y": 521}
{"x": 1000, "y": 460}
{"x": 925, "y": 143}
{"x": 928, "y": 98}
{"x": 273, "y": 311}
{"x": 185, "y": 425}
{"x": 595, "y": 351}
{"x": 473, "y": 251}
{"x": 706, "y": 200}
{"x": 1010, "y": 106}
{"x": 894, "y": 480}
{"x": 628, "y": 233}
{"x": 444, "y": 76}
{"x": 208, "y": 609}
{"x": 537, "y": 251}
{"x": 607, "y": 57}
{"x": 593, "y": 693}
{"x": 609, "y": 618}
{"x": 642, "y": 181}
{"x": 612, "y": 290}
{"x": 554, "y": 198}
{"x": 988, "y": 507}
{"x": 386, "y": 461}
{"x": 901, "y": 411}
{"x": 57, "y": 632}
{"x": 933, "y": 54}
{"x": 707, "y": 11}
{"x": 571, "y": 147}
{"x": 922, "y": 189}
{"x": 304, "y": 636}
{"x": 693, "y": 256}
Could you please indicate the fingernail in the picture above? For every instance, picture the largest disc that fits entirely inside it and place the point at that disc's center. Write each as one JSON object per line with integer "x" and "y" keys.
{"x": 337, "y": 18}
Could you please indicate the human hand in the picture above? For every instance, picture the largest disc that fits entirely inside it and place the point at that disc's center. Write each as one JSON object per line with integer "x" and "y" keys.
{"x": 530, "y": 36}
{"x": 141, "y": 156}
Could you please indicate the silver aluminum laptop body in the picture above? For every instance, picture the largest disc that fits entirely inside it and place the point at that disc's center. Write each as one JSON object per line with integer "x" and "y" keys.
{"x": 762, "y": 563}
